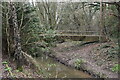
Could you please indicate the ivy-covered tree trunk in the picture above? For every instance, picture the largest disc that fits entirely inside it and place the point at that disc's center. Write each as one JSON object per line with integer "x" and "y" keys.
{"x": 118, "y": 8}
{"x": 17, "y": 43}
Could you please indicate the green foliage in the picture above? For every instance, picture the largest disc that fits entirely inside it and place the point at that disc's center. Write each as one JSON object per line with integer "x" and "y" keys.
{"x": 51, "y": 65}
{"x": 8, "y": 69}
{"x": 20, "y": 69}
{"x": 4, "y": 62}
{"x": 50, "y": 37}
{"x": 78, "y": 63}
{"x": 47, "y": 49}
{"x": 111, "y": 22}
{"x": 113, "y": 51}
{"x": 116, "y": 68}
{"x": 17, "y": 70}
{"x": 31, "y": 30}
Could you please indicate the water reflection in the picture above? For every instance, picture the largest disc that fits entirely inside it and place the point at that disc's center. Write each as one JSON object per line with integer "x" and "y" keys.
{"x": 54, "y": 69}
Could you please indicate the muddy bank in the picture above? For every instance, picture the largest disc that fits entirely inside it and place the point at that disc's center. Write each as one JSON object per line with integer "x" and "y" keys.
{"x": 86, "y": 59}
{"x": 28, "y": 72}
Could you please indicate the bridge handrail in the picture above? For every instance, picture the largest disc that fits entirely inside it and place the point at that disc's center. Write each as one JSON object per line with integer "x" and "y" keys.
{"x": 68, "y": 35}
{"x": 74, "y": 31}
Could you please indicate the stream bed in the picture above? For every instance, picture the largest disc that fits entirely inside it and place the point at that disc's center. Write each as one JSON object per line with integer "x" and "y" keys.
{"x": 54, "y": 69}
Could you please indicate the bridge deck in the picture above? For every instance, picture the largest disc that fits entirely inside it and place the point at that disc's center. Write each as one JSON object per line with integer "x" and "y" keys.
{"x": 77, "y": 37}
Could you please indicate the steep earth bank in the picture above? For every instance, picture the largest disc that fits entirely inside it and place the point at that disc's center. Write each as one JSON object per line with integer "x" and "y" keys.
{"x": 93, "y": 58}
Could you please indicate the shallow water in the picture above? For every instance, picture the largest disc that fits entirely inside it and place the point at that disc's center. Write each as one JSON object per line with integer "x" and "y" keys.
{"x": 54, "y": 69}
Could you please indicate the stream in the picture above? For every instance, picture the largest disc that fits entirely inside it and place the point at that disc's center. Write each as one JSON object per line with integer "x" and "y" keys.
{"x": 54, "y": 69}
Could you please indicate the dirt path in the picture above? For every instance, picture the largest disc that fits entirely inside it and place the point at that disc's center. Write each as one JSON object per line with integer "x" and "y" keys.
{"x": 69, "y": 57}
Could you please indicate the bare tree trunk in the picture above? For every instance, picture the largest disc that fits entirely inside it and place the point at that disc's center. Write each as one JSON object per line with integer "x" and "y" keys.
{"x": 18, "y": 51}
{"x": 101, "y": 22}
{"x": 7, "y": 34}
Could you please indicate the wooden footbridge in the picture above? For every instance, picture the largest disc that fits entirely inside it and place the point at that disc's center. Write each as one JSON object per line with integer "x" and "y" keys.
{"x": 77, "y": 35}
{"x": 83, "y": 35}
